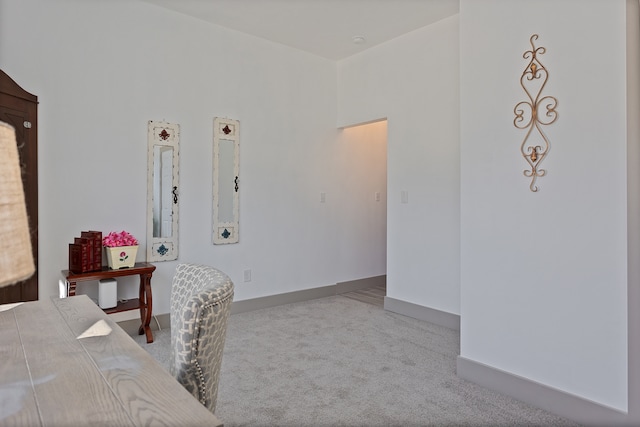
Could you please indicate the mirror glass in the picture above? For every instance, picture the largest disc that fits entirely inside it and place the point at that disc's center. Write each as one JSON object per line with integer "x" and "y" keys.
{"x": 162, "y": 192}
{"x": 226, "y": 177}
{"x": 226, "y": 184}
{"x": 162, "y": 188}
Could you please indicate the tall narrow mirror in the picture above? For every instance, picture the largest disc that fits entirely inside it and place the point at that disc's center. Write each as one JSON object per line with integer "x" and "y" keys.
{"x": 226, "y": 185}
{"x": 162, "y": 191}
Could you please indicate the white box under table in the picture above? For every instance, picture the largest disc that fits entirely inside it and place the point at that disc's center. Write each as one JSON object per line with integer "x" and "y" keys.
{"x": 107, "y": 293}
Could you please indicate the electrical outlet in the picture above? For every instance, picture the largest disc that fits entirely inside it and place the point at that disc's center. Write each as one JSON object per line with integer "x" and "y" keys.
{"x": 247, "y": 275}
{"x": 376, "y": 196}
{"x": 323, "y": 197}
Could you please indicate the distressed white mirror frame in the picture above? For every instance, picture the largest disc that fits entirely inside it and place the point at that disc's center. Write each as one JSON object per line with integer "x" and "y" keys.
{"x": 163, "y": 141}
{"x": 226, "y": 150}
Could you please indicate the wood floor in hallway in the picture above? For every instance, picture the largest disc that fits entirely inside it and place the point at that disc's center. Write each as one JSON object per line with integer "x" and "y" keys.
{"x": 374, "y": 295}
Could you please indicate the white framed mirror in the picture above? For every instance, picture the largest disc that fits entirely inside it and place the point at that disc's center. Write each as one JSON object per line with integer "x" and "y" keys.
{"x": 162, "y": 190}
{"x": 226, "y": 184}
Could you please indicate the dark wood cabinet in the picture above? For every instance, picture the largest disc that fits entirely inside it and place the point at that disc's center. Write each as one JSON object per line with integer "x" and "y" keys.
{"x": 19, "y": 108}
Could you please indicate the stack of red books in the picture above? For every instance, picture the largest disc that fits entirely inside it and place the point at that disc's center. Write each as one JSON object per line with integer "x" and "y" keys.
{"x": 85, "y": 253}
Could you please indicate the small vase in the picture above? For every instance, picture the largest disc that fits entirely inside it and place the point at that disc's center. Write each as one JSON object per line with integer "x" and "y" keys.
{"x": 121, "y": 256}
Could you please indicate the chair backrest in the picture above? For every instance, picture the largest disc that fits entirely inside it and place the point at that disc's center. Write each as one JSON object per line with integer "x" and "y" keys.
{"x": 200, "y": 305}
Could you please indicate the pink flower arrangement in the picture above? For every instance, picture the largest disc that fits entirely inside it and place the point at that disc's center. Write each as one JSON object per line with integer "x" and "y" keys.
{"x": 123, "y": 238}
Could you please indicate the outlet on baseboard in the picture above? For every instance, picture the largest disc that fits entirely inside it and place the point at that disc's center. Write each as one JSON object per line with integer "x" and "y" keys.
{"x": 247, "y": 275}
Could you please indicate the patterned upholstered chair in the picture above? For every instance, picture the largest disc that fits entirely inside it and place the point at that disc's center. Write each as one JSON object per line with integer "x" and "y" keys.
{"x": 200, "y": 305}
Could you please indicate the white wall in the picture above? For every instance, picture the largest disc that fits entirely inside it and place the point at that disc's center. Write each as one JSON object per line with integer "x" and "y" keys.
{"x": 539, "y": 279}
{"x": 413, "y": 82}
{"x": 633, "y": 203}
{"x": 102, "y": 69}
{"x": 544, "y": 275}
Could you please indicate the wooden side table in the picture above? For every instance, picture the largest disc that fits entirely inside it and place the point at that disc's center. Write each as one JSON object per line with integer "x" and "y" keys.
{"x": 143, "y": 302}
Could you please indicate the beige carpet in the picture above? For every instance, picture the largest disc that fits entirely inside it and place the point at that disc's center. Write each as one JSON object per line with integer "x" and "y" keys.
{"x": 337, "y": 361}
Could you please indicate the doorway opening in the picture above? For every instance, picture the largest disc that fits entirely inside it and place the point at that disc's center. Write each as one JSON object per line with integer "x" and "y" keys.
{"x": 365, "y": 185}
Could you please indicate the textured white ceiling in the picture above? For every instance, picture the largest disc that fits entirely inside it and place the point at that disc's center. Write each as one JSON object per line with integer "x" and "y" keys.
{"x": 321, "y": 27}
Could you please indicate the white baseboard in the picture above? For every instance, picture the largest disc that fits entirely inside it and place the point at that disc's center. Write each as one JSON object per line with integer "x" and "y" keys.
{"x": 130, "y": 320}
{"x": 556, "y": 401}
{"x": 131, "y": 326}
{"x": 124, "y": 316}
{"x": 307, "y": 294}
{"x": 431, "y": 315}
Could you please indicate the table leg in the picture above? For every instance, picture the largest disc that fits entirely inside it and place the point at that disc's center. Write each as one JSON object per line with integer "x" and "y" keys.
{"x": 72, "y": 288}
{"x": 146, "y": 307}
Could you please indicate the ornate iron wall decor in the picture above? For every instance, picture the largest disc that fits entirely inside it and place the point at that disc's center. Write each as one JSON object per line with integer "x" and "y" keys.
{"x": 536, "y": 111}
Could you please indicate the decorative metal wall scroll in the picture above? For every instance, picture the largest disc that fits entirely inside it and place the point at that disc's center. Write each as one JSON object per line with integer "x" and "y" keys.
{"x": 536, "y": 111}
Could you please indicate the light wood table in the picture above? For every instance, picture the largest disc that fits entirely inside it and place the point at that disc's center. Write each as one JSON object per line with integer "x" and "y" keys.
{"x": 50, "y": 376}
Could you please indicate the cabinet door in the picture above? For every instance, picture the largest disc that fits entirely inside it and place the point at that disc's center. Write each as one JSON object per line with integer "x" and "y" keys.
{"x": 19, "y": 108}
